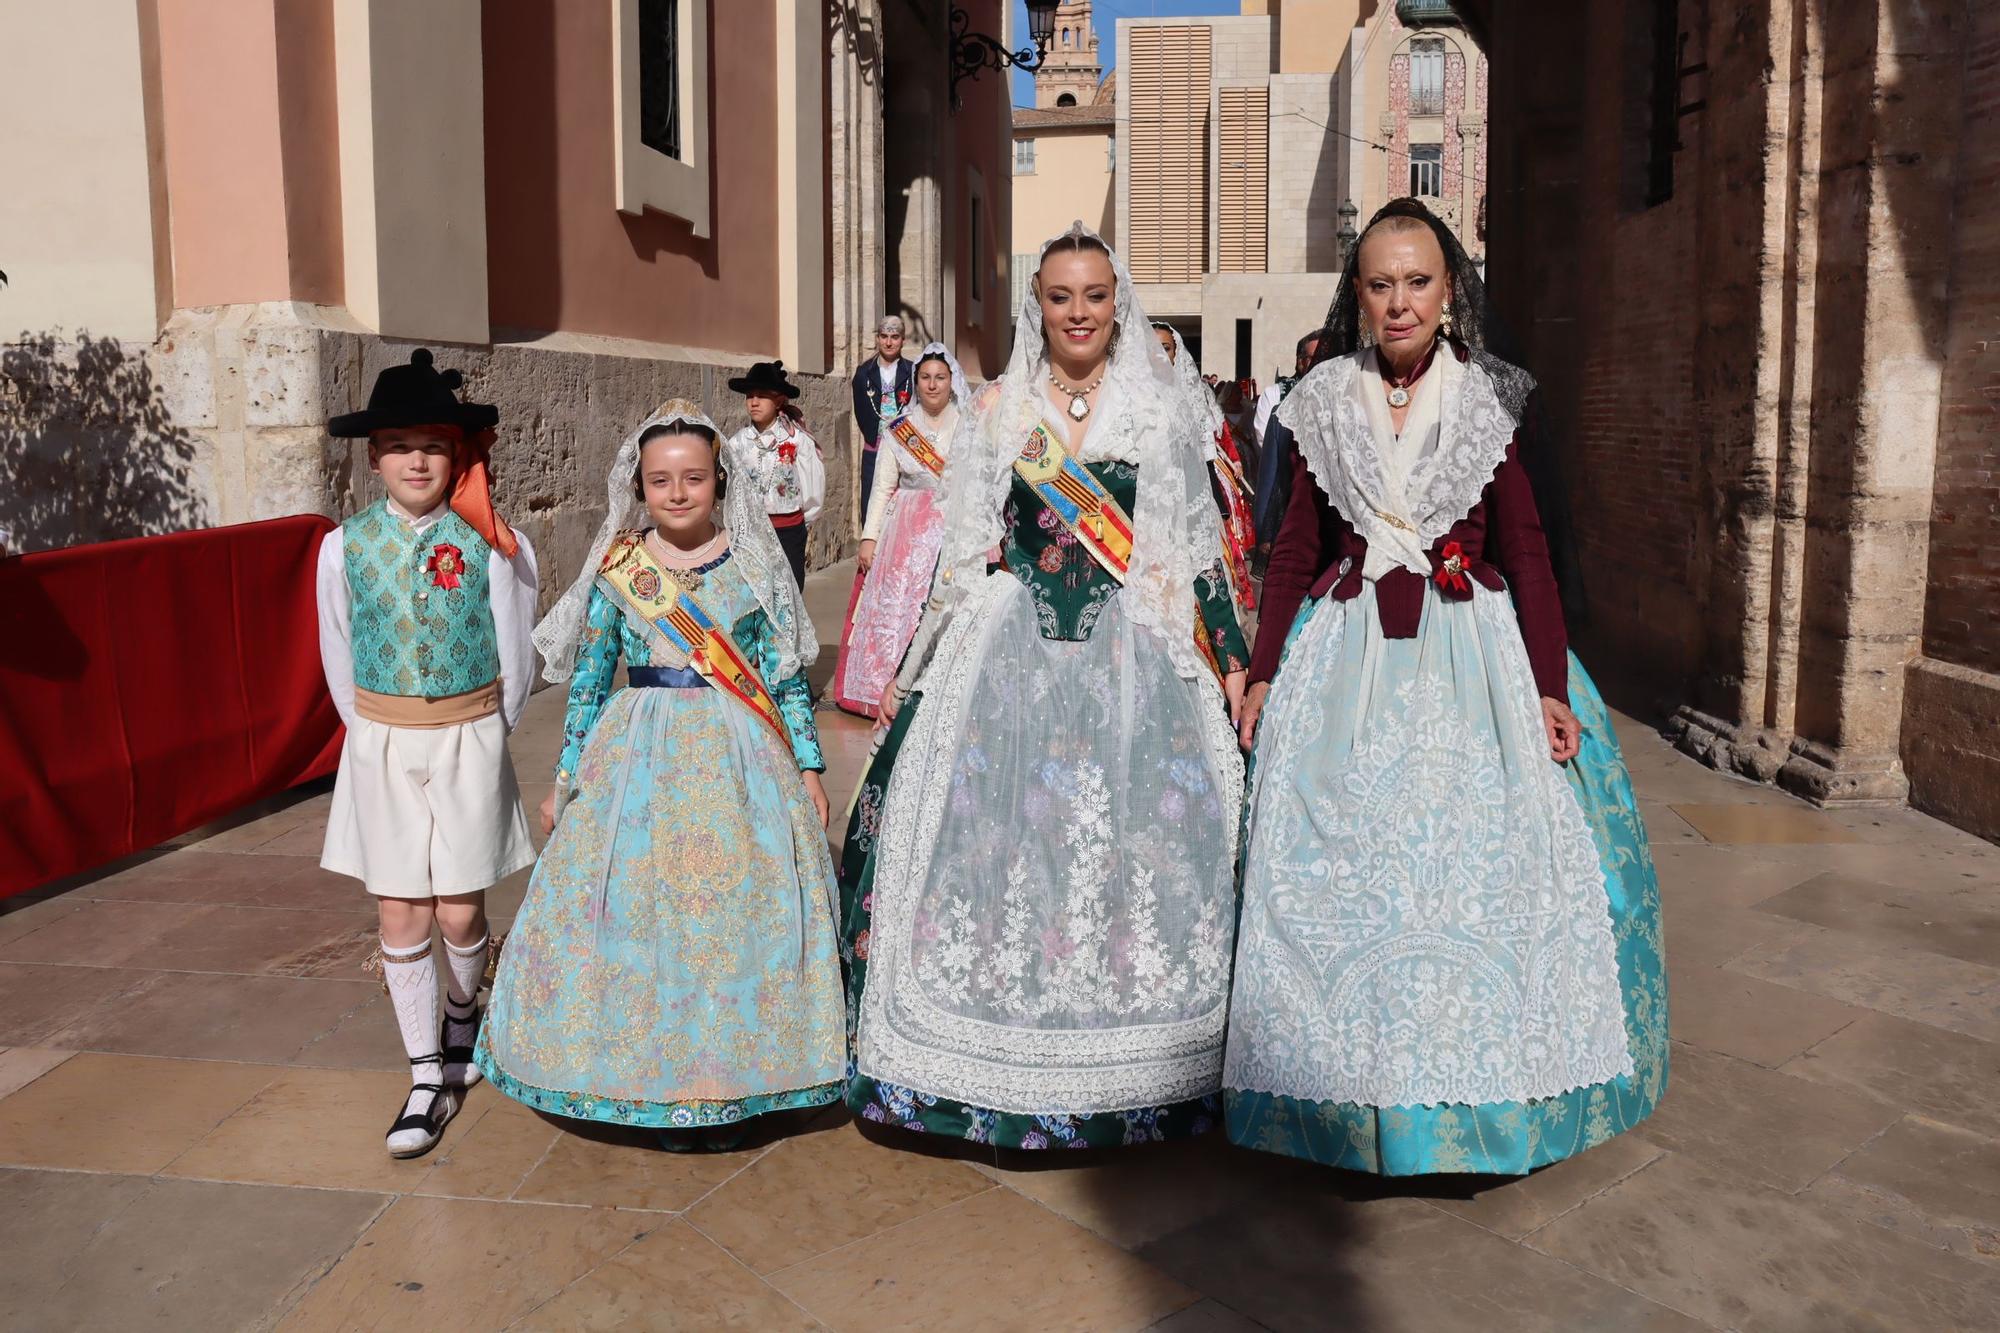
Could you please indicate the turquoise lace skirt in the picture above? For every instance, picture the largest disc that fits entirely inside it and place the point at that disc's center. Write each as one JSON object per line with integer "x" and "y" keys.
{"x": 1512, "y": 1138}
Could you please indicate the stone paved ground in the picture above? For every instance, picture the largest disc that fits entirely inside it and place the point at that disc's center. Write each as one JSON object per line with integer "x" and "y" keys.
{"x": 196, "y": 1076}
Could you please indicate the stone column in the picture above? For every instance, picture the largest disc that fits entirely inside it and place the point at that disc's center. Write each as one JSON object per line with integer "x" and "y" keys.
{"x": 855, "y": 183}
{"x": 1472, "y": 176}
{"x": 1823, "y": 262}
{"x": 1893, "y": 72}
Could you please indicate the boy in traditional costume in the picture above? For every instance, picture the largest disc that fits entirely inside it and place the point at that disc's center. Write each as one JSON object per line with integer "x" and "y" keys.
{"x": 425, "y": 602}
{"x": 777, "y": 461}
{"x": 675, "y": 964}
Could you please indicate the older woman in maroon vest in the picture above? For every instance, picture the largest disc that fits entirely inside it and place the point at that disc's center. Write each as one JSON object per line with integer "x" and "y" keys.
{"x": 1428, "y": 970}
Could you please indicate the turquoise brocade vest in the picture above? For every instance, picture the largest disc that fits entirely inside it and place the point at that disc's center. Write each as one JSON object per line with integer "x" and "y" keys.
{"x": 413, "y": 634}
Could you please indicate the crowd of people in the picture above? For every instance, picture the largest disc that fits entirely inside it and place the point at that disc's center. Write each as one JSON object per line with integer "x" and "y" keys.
{"x": 1231, "y": 768}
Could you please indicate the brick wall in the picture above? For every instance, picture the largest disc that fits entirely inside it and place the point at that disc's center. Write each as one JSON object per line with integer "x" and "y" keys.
{"x": 1603, "y": 303}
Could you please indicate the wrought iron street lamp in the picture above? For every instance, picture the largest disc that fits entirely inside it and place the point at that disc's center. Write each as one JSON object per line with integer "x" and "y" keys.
{"x": 974, "y": 51}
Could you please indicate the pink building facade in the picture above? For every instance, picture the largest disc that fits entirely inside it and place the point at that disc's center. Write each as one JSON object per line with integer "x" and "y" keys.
{"x": 587, "y": 207}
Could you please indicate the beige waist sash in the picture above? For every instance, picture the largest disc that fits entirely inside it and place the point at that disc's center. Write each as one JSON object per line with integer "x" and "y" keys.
{"x": 398, "y": 710}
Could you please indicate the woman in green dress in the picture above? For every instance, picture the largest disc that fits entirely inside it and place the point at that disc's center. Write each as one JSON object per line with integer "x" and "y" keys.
{"x": 1038, "y": 886}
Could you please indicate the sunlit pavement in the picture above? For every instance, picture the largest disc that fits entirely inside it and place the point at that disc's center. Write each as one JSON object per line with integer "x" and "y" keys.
{"x": 197, "y": 1074}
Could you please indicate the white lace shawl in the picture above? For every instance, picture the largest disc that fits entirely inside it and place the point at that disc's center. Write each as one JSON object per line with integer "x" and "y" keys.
{"x": 1200, "y": 397}
{"x": 1151, "y": 423}
{"x": 1329, "y": 418}
{"x": 752, "y": 542}
{"x": 961, "y": 392}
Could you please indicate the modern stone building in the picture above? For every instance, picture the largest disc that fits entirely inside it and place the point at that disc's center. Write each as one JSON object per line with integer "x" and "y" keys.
{"x": 1250, "y": 142}
{"x": 1753, "y": 252}
{"x": 222, "y": 217}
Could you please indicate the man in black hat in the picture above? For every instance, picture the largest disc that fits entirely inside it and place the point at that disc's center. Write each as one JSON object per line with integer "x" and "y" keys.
{"x": 777, "y": 459}
{"x": 426, "y": 600}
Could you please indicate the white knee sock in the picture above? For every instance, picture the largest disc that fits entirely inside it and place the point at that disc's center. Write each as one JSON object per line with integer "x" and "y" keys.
{"x": 413, "y": 989}
{"x": 465, "y": 968}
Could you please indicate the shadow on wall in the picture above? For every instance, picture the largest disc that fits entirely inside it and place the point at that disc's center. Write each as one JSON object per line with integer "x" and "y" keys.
{"x": 88, "y": 451}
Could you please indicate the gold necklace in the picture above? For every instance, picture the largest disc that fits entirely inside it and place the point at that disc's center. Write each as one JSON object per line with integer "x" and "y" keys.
{"x": 1079, "y": 405}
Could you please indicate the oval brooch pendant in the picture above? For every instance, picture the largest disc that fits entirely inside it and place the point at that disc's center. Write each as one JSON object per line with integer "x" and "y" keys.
{"x": 1399, "y": 396}
{"x": 1078, "y": 409}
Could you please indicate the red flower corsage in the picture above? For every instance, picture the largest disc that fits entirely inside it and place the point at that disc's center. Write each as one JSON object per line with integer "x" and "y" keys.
{"x": 1451, "y": 569}
{"x": 902, "y": 397}
{"x": 788, "y": 453}
{"x": 447, "y": 564}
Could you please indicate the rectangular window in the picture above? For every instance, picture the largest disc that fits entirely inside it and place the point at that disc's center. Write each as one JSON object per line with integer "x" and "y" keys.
{"x": 1024, "y": 157}
{"x": 1666, "y": 127}
{"x": 1167, "y": 155}
{"x": 1427, "y": 169}
{"x": 1024, "y": 270}
{"x": 1243, "y": 329}
{"x": 1427, "y": 77}
{"x": 1242, "y": 179}
{"x": 1111, "y": 154}
{"x": 660, "y": 76}
{"x": 659, "y": 90}
{"x": 1657, "y": 59}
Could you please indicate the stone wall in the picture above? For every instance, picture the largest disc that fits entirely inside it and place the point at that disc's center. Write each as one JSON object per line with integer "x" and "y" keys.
{"x": 222, "y": 420}
{"x": 1771, "y": 383}
{"x": 1951, "y": 716}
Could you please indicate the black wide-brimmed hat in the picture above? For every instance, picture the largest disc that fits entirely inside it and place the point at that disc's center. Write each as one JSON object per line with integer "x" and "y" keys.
{"x": 415, "y": 395}
{"x": 765, "y": 377}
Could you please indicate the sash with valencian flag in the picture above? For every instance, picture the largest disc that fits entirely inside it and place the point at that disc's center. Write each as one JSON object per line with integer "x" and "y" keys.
{"x": 652, "y": 594}
{"x": 1091, "y": 513}
{"x": 921, "y": 449}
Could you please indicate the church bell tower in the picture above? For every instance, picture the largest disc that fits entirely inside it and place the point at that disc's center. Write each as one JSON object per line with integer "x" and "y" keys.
{"x": 1070, "y": 73}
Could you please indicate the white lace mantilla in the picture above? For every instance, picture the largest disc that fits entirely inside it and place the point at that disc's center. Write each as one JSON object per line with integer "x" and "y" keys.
{"x": 1425, "y": 919}
{"x": 1053, "y": 911}
{"x": 1327, "y": 416}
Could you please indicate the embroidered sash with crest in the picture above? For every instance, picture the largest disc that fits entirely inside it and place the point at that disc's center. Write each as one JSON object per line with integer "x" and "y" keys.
{"x": 921, "y": 449}
{"x": 1090, "y": 512}
{"x": 651, "y": 593}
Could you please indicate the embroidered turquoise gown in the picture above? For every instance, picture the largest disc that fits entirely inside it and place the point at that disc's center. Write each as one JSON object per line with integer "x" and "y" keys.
{"x": 1513, "y": 1138}
{"x": 674, "y": 964}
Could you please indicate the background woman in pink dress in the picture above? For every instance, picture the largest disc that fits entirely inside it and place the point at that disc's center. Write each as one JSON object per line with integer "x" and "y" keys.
{"x": 900, "y": 535}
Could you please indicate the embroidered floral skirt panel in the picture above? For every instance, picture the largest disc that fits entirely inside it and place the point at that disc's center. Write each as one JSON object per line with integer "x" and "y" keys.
{"x": 1038, "y": 891}
{"x": 675, "y": 962}
{"x": 884, "y": 617}
{"x": 1449, "y": 958}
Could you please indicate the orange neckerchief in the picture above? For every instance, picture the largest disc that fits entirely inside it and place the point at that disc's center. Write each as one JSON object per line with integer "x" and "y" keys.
{"x": 472, "y": 494}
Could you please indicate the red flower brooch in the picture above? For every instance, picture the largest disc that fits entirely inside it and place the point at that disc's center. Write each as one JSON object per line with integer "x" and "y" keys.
{"x": 447, "y": 564}
{"x": 1451, "y": 569}
{"x": 788, "y": 453}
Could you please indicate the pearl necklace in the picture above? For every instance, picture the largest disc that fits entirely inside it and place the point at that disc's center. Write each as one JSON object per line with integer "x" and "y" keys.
{"x": 1079, "y": 406}
{"x": 680, "y": 565}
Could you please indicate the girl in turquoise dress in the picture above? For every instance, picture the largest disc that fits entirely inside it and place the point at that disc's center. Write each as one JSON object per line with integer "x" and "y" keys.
{"x": 674, "y": 963}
